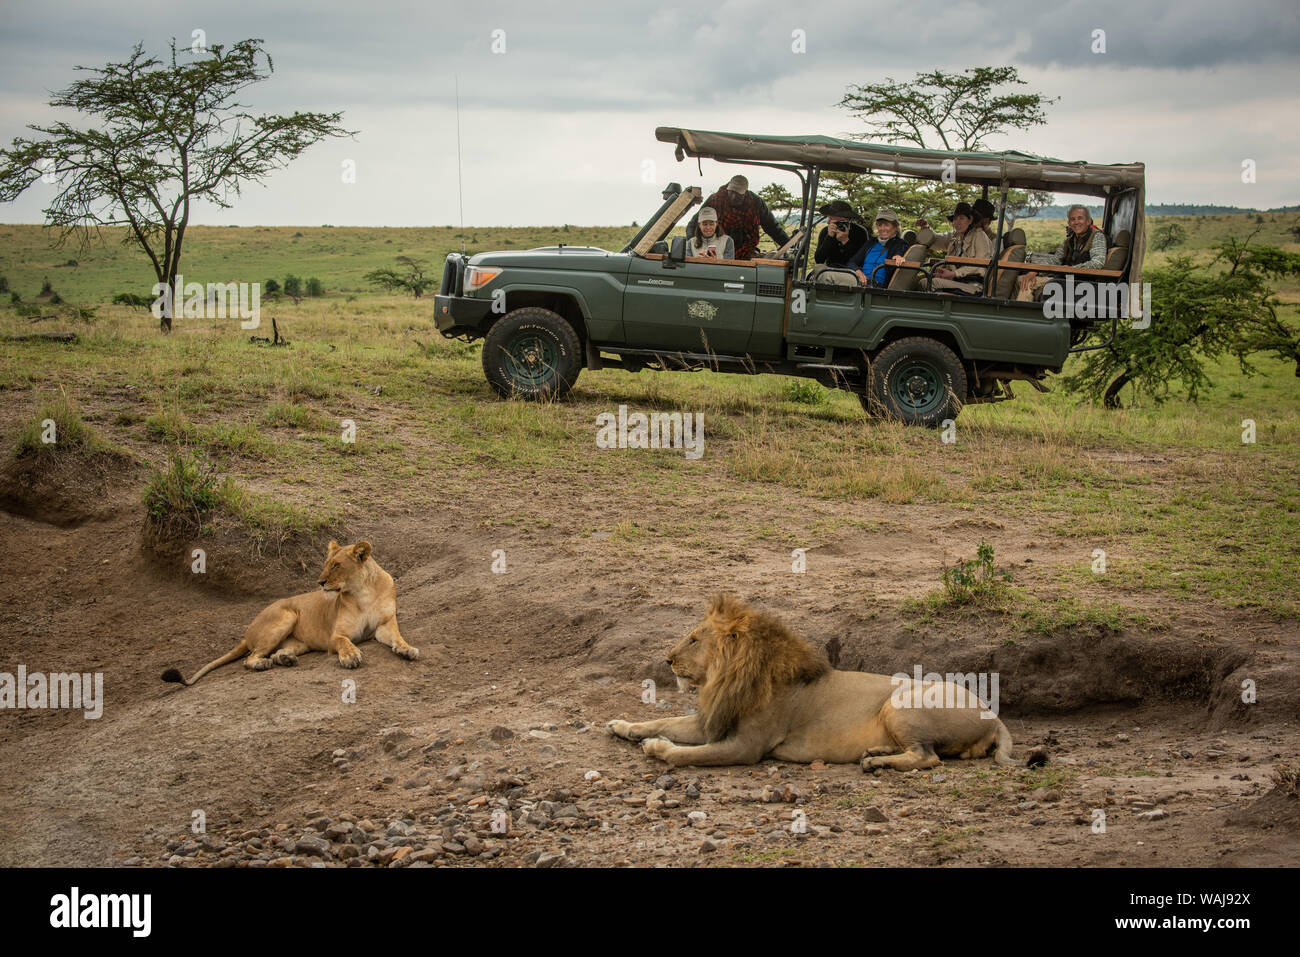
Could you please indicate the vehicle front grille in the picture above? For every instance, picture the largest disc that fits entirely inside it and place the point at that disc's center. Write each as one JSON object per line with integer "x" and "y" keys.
{"x": 453, "y": 276}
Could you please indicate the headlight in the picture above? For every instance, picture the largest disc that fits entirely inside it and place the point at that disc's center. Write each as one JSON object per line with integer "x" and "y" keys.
{"x": 478, "y": 276}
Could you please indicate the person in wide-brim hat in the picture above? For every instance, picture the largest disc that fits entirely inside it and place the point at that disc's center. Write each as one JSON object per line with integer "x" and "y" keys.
{"x": 842, "y": 238}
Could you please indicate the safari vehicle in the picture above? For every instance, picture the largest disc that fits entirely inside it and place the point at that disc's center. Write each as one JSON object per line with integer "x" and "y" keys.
{"x": 913, "y": 355}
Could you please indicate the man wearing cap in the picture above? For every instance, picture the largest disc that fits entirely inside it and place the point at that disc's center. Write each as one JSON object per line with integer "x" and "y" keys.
{"x": 842, "y": 238}
{"x": 741, "y": 215}
{"x": 964, "y": 241}
{"x": 886, "y": 249}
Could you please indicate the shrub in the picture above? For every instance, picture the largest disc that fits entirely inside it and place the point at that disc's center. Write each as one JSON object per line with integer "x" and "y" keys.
{"x": 178, "y": 498}
{"x": 975, "y": 580}
{"x": 315, "y": 287}
{"x": 69, "y": 431}
{"x": 131, "y": 299}
{"x": 293, "y": 287}
{"x": 46, "y": 288}
{"x": 4, "y": 284}
{"x": 804, "y": 391}
{"x": 270, "y": 286}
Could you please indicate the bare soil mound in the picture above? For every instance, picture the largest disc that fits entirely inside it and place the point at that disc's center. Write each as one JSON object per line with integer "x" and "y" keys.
{"x": 67, "y": 488}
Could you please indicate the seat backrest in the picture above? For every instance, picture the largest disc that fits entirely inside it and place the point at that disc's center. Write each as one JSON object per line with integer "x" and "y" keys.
{"x": 1117, "y": 255}
{"x": 1013, "y": 251}
{"x": 905, "y": 279}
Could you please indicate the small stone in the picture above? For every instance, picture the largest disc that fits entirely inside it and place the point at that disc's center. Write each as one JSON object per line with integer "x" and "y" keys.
{"x": 1159, "y": 814}
{"x": 1121, "y": 737}
{"x": 340, "y": 753}
{"x": 591, "y": 776}
{"x": 315, "y": 846}
{"x": 697, "y": 818}
{"x": 707, "y": 847}
{"x": 500, "y": 733}
{"x": 550, "y": 859}
{"x": 874, "y": 814}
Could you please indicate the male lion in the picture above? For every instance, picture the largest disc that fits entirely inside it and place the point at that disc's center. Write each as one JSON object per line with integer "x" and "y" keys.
{"x": 357, "y": 599}
{"x": 766, "y": 692}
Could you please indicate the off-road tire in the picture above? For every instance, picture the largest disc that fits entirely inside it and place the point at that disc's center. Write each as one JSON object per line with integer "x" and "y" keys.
{"x": 532, "y": 353}
{"x": 917, "y": 381}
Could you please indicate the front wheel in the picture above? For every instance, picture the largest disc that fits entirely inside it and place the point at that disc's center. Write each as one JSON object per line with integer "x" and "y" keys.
{"x": 532, "y": 353}
{"x": 918, "y": 381}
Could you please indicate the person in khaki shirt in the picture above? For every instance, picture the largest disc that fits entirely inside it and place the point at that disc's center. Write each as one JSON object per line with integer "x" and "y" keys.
{"x": 964, "y": 240}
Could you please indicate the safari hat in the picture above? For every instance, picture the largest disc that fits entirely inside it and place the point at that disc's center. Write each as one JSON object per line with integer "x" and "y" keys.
{"x": 839, "y": 208}
{"x": 738, "y": 184}
{"x": 888, "y": 215}
{"x": 963, "y": 209}
{"x": 707, "y": 215}
{"x": 984, "y": 209}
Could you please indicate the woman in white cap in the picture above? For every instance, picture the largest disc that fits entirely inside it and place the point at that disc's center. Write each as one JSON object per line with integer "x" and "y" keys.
{"x": 709, "y": 240}
{"x": 876, "y": 260}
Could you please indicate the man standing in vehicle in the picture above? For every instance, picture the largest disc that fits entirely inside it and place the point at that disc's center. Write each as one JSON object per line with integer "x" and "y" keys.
{"x": 741, "y": 215}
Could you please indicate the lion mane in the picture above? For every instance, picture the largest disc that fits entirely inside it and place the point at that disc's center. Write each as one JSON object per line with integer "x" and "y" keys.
{"x": 753, "y": 655}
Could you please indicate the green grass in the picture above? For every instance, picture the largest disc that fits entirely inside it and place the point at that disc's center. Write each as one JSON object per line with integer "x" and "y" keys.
{"x": 1183, "y": 509}
{"x": 57, "y": 428}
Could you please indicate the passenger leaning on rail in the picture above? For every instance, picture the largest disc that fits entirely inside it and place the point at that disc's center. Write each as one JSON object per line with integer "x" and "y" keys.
{"x": 1084, "y": 246}
{"x": 965, "y": 240}
{"x": 872, "y": 260}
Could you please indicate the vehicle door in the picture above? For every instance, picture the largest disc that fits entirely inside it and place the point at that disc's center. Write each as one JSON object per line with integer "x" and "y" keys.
{"x": 689, "y": 306}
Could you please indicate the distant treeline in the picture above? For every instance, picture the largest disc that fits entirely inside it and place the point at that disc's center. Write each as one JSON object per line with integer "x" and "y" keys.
{"x": 1170, "y": 209}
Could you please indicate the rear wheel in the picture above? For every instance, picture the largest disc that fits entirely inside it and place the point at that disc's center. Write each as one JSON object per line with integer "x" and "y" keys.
{"x": 918, "y": 381}
{"x": 532, "y": 353}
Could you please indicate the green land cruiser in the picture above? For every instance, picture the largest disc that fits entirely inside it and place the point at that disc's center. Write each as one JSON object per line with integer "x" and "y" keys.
{"x": 908, "y": 354}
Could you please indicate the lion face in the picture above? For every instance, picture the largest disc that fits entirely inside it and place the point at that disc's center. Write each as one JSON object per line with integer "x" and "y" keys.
{"x": 694, "y": 656}
{"x": 344, "y": 566}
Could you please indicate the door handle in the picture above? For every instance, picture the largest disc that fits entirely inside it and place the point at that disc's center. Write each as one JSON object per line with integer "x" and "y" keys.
{"x": 733, "y": 285}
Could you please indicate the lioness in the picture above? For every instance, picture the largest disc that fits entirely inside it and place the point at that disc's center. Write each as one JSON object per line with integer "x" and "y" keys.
{"x": 357, "y": 599}
{"x": 766, "y": 692}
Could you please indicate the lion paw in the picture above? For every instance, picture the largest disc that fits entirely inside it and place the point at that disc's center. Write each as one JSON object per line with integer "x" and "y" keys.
{"x": 409, "y": 652}
{"x": 622, "y": 729}
{"x": 350, "y": 659}
{"x": 657, "y": 747}
{"x": 285, "y": 659}
{"x": 257, "y": 664}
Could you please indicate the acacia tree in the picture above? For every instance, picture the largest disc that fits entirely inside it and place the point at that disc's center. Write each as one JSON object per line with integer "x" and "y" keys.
{"x": 1196, "y": 315}
{"x": 937, "y": 110}
{"x": 412, "y": 278}
{"x": 161, "y": 135}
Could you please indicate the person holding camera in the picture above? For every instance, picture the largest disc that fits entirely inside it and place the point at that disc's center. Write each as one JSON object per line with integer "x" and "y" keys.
{"x": 842, "y": 238}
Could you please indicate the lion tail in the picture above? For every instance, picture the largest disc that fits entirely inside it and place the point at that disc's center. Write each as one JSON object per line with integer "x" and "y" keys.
{"x": 172, "y": 674}
{"x": 1002, "y": 756}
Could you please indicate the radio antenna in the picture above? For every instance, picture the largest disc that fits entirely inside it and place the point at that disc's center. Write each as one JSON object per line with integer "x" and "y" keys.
{"x": 460, "y": 188}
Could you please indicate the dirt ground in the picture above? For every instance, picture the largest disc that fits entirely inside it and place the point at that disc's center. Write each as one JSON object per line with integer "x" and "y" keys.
{"x": 504, "y": 710}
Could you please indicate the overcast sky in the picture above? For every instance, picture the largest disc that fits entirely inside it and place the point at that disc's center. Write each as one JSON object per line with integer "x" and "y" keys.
{"x": 560, "y": 126}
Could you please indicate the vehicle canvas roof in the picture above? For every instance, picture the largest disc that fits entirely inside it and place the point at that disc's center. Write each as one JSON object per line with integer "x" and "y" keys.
{"x": 1008, "y": 168}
